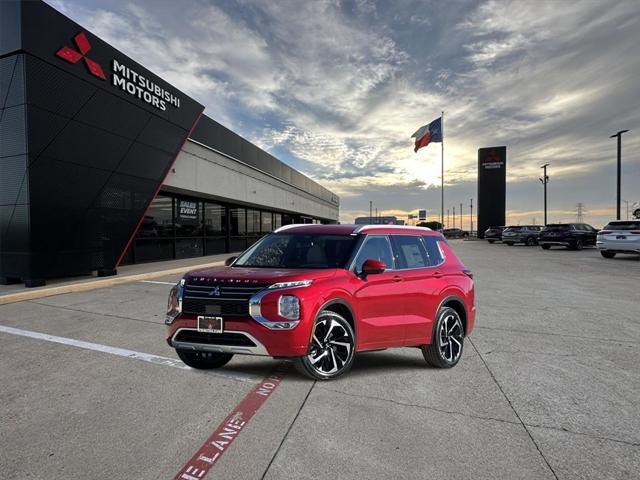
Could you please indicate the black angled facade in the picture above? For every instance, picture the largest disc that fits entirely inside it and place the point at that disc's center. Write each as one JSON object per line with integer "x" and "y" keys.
{"x": 87, "y": 138}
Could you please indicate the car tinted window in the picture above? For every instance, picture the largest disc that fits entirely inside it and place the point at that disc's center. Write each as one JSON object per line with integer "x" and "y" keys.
{"x": 433, "y": 251}
{"x": 630, "y": 225}
{"x": 376, "y": 247}
{"x": 410, "y": 252}
{"x": 558, "y": 228}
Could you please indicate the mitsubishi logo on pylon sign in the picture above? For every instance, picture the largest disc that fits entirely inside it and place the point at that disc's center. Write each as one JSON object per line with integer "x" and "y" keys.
{"x": 73, "y": 56}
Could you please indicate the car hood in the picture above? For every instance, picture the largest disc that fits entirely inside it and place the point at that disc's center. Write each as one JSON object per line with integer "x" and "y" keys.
{"x": 256, "y": 275}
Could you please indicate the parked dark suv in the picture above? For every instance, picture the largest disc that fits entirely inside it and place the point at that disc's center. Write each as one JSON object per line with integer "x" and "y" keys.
{"x": 455, "y": 233}
{"x": 527, "y": 234}
{"x": 493, "y": 234}
{"x": 571, "y": 235}
{"x": 319, "y": 293}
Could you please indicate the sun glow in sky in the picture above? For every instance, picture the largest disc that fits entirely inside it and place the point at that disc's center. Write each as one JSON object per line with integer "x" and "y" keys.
{"x": 336, "y": 88}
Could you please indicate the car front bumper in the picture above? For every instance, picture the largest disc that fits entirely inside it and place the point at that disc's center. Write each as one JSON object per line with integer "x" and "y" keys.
{"x": 240, "y": 336}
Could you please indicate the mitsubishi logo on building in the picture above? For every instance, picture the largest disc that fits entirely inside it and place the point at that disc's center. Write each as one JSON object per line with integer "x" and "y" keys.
{"x": 74, "y": 56}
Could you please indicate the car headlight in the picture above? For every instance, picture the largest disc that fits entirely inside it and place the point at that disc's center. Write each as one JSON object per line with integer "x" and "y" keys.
{"x": 289, "y": 307}
{"x": 297, "y": 283}
{"x": 174, "y": 303}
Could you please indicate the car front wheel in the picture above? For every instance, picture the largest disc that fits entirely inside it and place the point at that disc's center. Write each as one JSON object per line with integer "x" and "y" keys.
{"x": 531, "y": 242}
{"x": 545, "y": 246}
{"x": 607, "y": 254}
{"x": 204, "y": 360}
{"x": 445, "y": 349}
{"x": 578, "y": 245}
{"x": 331, "y": 350}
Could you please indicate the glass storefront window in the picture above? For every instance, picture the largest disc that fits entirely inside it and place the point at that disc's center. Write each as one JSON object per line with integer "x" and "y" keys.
{"x": 267, "y": 222}
{"x": 215, "y": 219}
{"x": 253, "y": 221}
{"x": 188, "y": 220}
{"x": 238, "y": 221}
{"x": 158, "y": 221}
{"x": 277, "y": 220}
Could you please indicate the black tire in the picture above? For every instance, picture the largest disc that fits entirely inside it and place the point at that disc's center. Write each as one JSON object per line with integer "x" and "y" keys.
{"x": 332, "y": 348}
{"x": 204, "y": 360}
{"x": 509, "y": 243}
{"x": 577, "y": 245}
{"x": 530, "y": 242}
{"x": 545, "y": 246}
{"x": 445, "y": 340}
{"x": 607, "y": 254}
{"x": 491, "y": 241}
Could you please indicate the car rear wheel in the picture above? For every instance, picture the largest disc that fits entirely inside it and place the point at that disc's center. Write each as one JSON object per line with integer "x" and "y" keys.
{"x": 509, "y": 243}
{"x": 607, "y": 254}
{"x": 446, "y": 346}
{"x": 545, "y": 246}
{"x": 204, "y": 360}
{"x": 531, "y": 242}
{"x": 331, "y": 350}
{"x": 491, "y": 241}
{"x": 577, "y": 245}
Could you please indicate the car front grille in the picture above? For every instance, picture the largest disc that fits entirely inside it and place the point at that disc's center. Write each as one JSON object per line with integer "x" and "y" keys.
{"x": 226, "y": 300}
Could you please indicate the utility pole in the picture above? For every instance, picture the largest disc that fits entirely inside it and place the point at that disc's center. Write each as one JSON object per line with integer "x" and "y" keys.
{"x": 618, "y": 188}
{"x": 448, "y": 218}
{"x": 580, "y": 211}
{"x": 545, "y": 180}
{"x": 460, "y": 215}
{"x": 376, "y": 215}
{"x": 370, "y": 212}
{"x": 471, "y": 214}
{"x": 454, "y": 217}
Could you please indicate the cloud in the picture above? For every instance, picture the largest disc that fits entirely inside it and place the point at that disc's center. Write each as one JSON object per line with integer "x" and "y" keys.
{"x": 336, "y": 88}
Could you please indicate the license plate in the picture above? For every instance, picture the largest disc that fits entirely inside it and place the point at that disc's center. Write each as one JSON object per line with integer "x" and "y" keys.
{"x": 210, "y": 324}
{"x": 621, "y": 237}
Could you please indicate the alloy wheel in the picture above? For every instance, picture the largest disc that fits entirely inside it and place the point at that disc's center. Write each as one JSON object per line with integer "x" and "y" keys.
{"x": 331, "y": 345}
{"x": 450, "y": 337}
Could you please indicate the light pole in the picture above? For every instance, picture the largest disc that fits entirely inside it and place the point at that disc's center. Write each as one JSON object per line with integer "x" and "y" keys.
{"x": 545, "y": 180}
{"x": 454, "y": 217}
{"x": 471, "y": 215}
{"x": 370, "y": 212}
{"x": 448, "y": 218}
{"x": 619, "y": 136}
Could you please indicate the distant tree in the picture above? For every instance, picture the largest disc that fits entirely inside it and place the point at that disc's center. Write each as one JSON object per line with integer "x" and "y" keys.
{"x": 431, "y": 225}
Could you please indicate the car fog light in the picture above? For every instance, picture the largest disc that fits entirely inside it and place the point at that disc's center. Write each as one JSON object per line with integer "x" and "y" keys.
{"x": 289, "y": 307}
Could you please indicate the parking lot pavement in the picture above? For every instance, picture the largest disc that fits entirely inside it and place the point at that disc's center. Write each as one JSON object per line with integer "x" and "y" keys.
{"x": 548, "y": 387}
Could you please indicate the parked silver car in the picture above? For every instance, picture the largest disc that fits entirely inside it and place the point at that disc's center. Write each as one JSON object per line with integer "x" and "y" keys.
{"x": 620, "y": 236}
{"x": 527, "y": 234}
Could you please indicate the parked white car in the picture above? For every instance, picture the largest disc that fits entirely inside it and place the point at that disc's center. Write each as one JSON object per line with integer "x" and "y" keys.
{"x": 619, "y": 236}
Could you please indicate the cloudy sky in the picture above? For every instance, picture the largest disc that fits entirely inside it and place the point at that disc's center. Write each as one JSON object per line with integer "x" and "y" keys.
{"x": 336, "y": 88}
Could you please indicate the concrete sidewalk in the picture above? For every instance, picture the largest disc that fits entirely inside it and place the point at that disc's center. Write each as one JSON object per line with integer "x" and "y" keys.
{"x": 126, "y": 274}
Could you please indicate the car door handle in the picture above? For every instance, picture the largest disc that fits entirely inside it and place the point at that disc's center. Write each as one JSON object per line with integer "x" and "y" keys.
{"x": 397, "y": 278}
{"x": 437, "y": 274}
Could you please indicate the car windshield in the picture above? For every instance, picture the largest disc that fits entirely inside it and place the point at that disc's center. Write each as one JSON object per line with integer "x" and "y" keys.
{"x": 630, "y": 225}
{"x": 298, "y": 250}
{"x": 513, "y": 229}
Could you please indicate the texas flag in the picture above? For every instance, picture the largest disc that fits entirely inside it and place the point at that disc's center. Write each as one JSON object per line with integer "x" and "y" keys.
{"x": 427, "y": 134}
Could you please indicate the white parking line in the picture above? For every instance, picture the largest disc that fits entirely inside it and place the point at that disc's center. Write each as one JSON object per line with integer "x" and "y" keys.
{"x": 157, "y": 283}
{"x": 121, "y": 352}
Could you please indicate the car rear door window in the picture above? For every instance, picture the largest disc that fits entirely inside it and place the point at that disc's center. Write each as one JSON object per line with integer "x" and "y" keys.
{"x": 410, "y": 252}
{"x": 434, "y": 254}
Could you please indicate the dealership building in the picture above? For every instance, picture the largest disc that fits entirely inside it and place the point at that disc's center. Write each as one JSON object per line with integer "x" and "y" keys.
{"x": 103, "y": 163}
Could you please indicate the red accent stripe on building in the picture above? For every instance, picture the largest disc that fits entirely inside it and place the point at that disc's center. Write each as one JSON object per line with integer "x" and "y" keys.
{"x": 166, "y": 174}
{"x": 223, "y": 436}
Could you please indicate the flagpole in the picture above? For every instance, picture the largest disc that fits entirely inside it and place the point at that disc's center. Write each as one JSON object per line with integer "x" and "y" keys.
{"x": 442, "y": 172}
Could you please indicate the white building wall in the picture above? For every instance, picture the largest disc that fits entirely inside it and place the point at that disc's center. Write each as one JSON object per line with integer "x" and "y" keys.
{"x": 201, "y": 171}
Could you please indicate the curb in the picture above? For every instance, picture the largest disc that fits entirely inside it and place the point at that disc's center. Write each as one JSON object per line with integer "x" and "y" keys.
{"x": 96, "y": 284}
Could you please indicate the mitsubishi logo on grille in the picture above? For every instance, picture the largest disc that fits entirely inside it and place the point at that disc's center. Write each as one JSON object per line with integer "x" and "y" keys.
{"x": 215, "y": 292}
{"x": 74, "y": 56}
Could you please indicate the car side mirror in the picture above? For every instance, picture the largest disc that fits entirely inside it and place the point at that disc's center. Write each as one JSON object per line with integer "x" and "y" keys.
{"x": 372, "y": 267}
{"x": 230, "y": 260}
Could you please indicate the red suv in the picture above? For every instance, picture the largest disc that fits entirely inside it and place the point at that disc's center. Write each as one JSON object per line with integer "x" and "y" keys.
{"x": 320, "y": 293}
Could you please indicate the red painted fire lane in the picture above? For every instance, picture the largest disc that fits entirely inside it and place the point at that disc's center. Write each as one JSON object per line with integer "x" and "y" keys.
{"x": 223, "y": 436}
